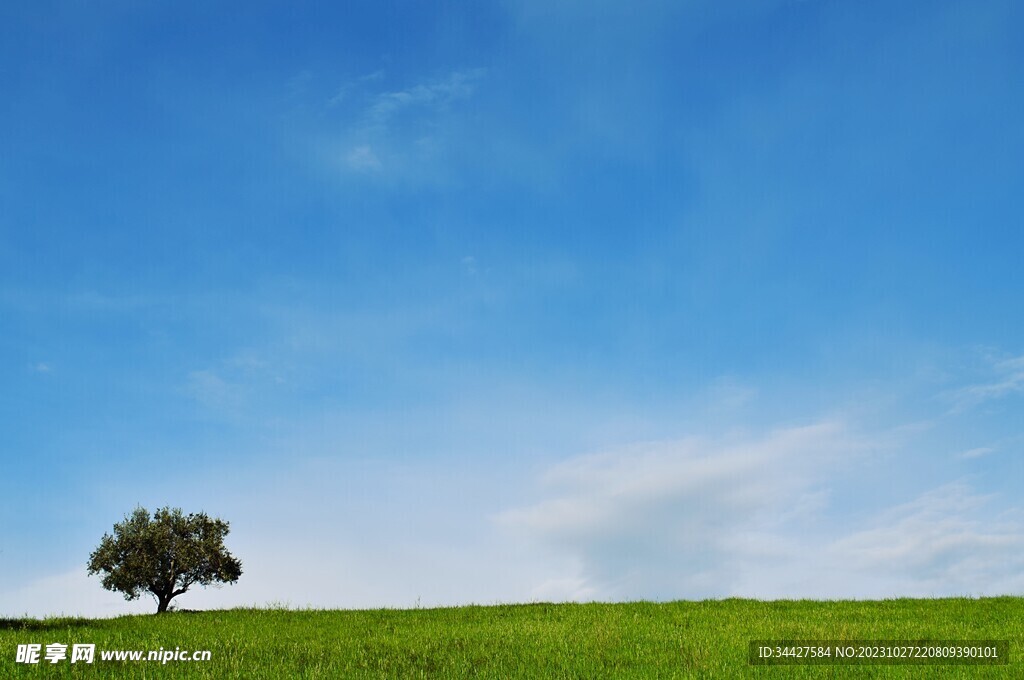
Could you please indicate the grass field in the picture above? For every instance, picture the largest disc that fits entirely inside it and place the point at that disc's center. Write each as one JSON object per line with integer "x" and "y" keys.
{"x": 634, "y": 640}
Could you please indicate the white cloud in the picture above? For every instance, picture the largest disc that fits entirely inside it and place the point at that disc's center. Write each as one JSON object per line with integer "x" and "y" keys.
{"x": 397, "y": 133}
{"x": 680, "y": 519}
{"x": 702, "y": 518}
{"x": 343, "y": 93}
{"x": 214, "y": 392}
{"x": 72, "y": 593}
{"x": 772, "y": 513}
{"x": 728, "y": 394}
{"x": 349, "y": 549}
{"x": 363, "y": 159}
{"x": 236, "y": 386}
{"x": 94, "y": 301}
{"x": 569, "y": 589}
{"x": 941, "y": 543}
{"x": 433, "y": 95}
{"x": 320, "y": 569}
{"x": 1008, "y": 380}
{"x": 975, "y": 453}
{"x": 298, "y": 83}
{"x": 739, "y": 515}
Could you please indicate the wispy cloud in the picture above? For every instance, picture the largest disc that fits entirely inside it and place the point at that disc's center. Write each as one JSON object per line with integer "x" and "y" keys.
{"x": 398, "y": 132}
{"x": 706, "y": 518}
{"x": 72, "y": 593}
{"x": 1007, "y": 380}
{"x": 679, "y": 519}
{"x": 976, "y": 452}
{"x": 431, "y": 96}
{"x": 213, "y": 391}
{"x": 83, "y": 301}
{"x": 344, "y": 92}
{"x": 940, "y": 543}
{"x": 233, "y": 386}
{"x": 363, "y": 159}
{"x": 95, "y": 301}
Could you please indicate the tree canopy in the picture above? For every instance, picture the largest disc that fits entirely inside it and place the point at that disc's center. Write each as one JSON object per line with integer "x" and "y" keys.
{"x": 164, "y": 554}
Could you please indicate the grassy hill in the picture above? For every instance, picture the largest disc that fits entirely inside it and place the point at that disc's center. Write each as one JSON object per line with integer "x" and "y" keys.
{"x": 632, "y": 640}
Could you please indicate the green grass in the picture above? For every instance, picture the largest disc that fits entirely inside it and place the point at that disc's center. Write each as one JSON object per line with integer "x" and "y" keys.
{"x": 634, "y": 640}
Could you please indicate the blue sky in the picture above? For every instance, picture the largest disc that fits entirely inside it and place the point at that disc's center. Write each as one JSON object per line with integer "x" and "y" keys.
{"x": 486, "y": 302}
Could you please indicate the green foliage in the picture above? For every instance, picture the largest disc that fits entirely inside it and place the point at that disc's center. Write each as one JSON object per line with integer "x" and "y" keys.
{"x": 630, "y": 640}
{"x": 164, "y": 555}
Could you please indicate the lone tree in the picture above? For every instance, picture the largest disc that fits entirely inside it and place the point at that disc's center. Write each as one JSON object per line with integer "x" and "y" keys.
{"x": 164, "y": 555}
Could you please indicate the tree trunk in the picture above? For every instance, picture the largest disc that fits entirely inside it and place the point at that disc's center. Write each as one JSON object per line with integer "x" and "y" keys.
{"x": 162, "y": 602}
